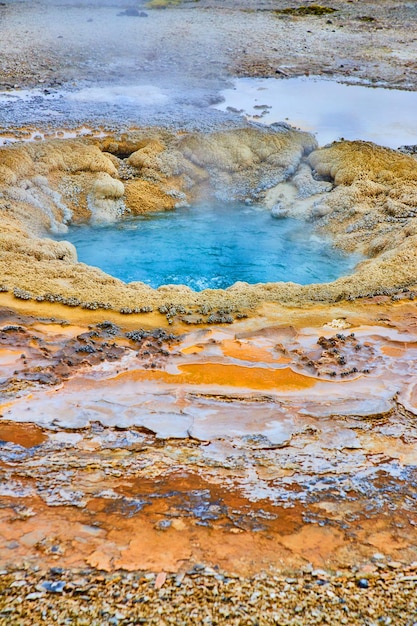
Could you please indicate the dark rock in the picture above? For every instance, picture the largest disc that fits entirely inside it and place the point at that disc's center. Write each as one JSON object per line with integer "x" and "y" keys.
{"x": 108, "y": 327}
{"x": 132, "y": 13}
{"x": 87, "y": 349}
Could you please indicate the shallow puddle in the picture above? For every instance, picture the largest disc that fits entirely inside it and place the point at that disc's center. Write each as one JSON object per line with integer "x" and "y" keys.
{"x": 219, "y": 374}
{"x": 325, "y": 107}
{"x": 329, "y": 109}
{"x": 28, "y": 135}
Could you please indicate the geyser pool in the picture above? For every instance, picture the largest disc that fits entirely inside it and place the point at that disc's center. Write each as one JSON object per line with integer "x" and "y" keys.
{"x": 210, "y": 246}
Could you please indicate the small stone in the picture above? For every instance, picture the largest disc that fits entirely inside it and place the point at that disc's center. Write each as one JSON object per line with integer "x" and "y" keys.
{"x": 198, "y": 567}
{"x": 53, "y": 586}
{"x": 362, "y": 583}
{"x": 163, "y": 524}
{"x": 56, "y": 571}
{"x": 319, "y": 573}
{"x": 19, "y": 583}
{"x": 34, "y": 596}
{"x": 209, "y": 571}
{"x": 132, "y": 13}
{"x": 160, "y": 580}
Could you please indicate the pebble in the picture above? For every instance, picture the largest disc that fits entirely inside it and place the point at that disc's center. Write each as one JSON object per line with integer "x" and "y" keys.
{"x": 34, "y": 596}
{"x": 18, "y": 583}
{"x": 362, "y": 583}
{"x": 53, "y": 586}
{"x": 319, "y": 573}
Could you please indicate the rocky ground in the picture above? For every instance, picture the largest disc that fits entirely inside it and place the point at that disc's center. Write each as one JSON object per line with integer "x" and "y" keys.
{"x": 365, "y": 39}
{"x": 207, "y": 596}
{"x": 99, "y": 44}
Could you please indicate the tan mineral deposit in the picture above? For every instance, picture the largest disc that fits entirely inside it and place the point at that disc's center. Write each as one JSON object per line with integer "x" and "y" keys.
{"x": 243, "y": 455}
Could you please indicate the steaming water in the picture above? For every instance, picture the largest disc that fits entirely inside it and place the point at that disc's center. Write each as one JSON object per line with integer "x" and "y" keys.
{"x": 210, "y": 246}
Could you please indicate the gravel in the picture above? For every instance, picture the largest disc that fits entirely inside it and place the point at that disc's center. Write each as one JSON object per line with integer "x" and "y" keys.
{"x": 207, "y": 596}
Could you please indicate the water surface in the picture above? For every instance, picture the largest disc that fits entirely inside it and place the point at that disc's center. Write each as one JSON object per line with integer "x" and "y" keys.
{"x": 329, "y": 109}
{"x": 210, "y": 246}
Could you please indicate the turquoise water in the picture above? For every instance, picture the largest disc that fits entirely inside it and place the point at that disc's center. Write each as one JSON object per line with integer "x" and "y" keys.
{"x": 210, "y": 246}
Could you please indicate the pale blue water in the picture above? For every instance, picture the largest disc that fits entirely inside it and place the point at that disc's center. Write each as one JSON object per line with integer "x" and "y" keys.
{"x": 210, "y": 246}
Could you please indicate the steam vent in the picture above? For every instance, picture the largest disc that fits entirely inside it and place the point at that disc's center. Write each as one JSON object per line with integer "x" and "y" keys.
{"x": 208, "y": 323}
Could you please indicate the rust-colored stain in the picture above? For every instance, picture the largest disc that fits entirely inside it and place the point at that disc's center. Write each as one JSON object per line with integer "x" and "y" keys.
{"x": 194, "y": 349}
{"x": 245, "y": 351}
{"x": 314, "y": 543}
{"x": 189, "y": 495}
{"x": 26, "y": 435}
{"x": 165, "y": 511}
{"x": 393, "y": 351}
{"x": 58, "y": 330}
{"x": 8, "y": 356}
{"x": 171, "y": 521}
{"x": 259, "y": 378}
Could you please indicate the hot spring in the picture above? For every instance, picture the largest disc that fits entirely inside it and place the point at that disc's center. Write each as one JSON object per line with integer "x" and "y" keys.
{"x": 210, "y": 246}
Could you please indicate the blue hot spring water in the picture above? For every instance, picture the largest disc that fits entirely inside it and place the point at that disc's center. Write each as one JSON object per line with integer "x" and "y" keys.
{"x": 210, "y": 246}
